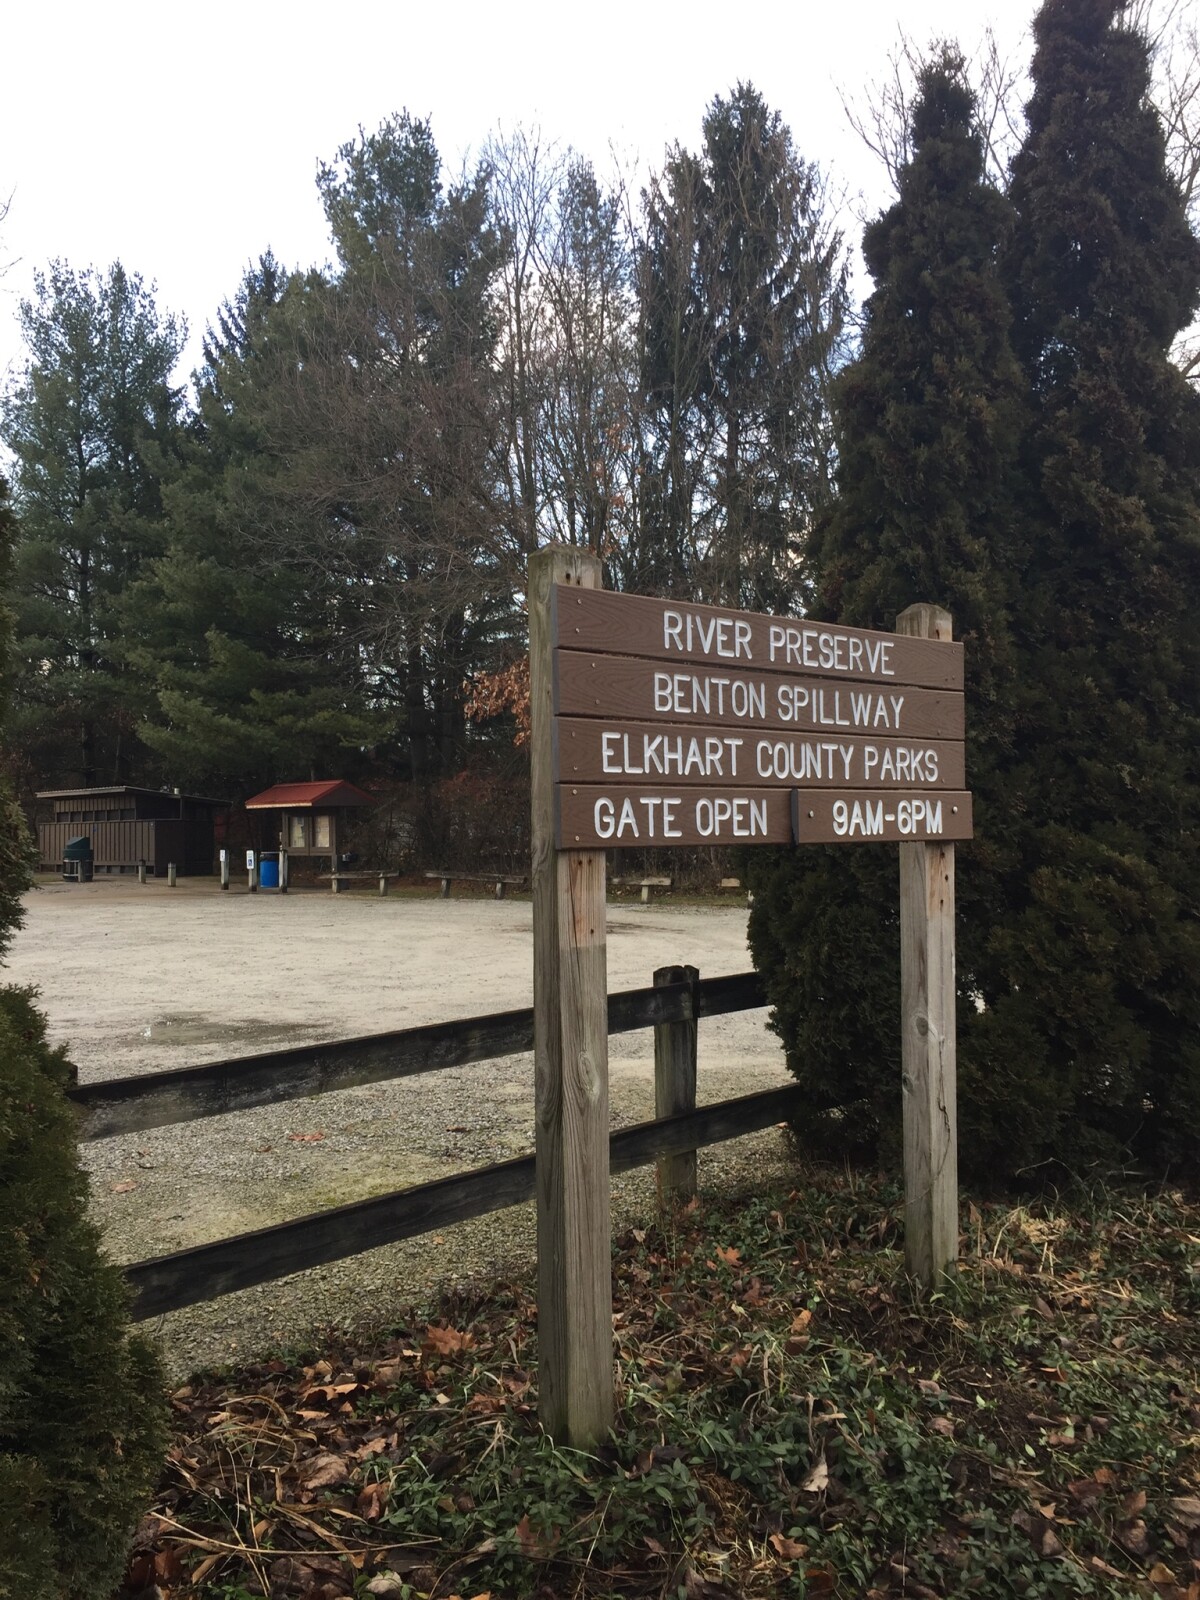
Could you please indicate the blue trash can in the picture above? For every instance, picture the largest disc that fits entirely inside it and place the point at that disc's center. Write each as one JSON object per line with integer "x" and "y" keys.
{"x": 268, "y": 871}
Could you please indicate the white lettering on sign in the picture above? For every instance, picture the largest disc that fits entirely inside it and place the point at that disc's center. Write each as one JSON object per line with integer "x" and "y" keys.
{"x": 647, "y": 817}
{"x": 797, "y": 646}
{"x": 692, "y": 634}
{"x": 902, "y": 764}
{"x": 686, "y": 695}
{"x": 864, "y": 819}
{"x": 838, "y": 708}
{"x": 738, "y": 817}
{"x": 806, "y": 758}
{"x": 670, "y": 756}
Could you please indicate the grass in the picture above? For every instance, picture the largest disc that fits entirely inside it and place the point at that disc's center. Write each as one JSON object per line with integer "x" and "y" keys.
{"x": 790, "y": 1422}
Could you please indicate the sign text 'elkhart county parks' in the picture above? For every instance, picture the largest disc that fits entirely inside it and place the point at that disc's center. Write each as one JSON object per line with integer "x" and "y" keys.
{"x": 687, "y": 725}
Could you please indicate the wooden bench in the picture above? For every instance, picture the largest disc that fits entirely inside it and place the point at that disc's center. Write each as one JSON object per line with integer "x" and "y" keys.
{"x": 500, "y": 879}
{"x": 342, "y": 880}
{"x": 735, "y": 884}
{"x": 646, "y": 885}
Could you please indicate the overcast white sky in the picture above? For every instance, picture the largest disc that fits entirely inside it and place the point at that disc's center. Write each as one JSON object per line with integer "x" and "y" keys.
{"x": 183, "y": 139}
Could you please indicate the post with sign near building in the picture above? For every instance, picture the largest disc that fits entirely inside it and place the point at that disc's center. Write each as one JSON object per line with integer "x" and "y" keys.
{"x": 928, "y": 1031}
{"x": 570, "y": 1002}
{"x": 658, "y": 723}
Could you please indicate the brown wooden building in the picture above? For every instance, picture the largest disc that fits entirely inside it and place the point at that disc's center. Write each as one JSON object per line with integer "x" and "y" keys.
{"x": 128, "y": 825}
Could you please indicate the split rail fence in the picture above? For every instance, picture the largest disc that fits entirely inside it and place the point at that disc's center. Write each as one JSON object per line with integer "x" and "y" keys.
{"x": 678, "y": 1000}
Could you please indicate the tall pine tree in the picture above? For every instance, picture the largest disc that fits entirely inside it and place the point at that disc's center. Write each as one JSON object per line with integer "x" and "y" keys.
{"x": 1102, "y": 952}
{"x": 90, "y": 423}
{"x": 928, "y": 421}
{"x": 743, "y": 300}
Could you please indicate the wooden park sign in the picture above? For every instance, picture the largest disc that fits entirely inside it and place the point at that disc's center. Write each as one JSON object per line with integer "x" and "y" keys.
{"x": 657, "y": 724}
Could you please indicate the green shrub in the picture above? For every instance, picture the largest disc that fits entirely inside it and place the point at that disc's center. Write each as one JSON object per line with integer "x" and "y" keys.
{"x": 81, "y": 1418}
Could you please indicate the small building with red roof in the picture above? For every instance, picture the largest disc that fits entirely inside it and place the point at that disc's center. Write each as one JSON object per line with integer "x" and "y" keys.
{"x": 309, "y": 814}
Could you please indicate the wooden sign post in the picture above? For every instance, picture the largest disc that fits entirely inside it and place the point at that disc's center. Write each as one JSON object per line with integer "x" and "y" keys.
{"x": 661, "y": 723}
{"x": 570, "y": 1001}
{"x": 929, "y": 1062}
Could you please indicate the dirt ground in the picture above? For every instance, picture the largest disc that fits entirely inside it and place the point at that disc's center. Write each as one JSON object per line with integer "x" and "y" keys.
{"x": 137, "y": 977}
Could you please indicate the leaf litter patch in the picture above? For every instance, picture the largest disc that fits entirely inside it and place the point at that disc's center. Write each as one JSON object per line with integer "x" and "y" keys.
{"x": 790, "y": 1421}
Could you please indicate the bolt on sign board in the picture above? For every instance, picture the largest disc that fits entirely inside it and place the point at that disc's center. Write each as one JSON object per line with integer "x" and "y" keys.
{"x": 688, "y": 724}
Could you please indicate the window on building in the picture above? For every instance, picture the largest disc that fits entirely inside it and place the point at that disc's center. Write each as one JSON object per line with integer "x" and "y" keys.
{"x": 321, "y": 832}
{"x": 297, "y": 833}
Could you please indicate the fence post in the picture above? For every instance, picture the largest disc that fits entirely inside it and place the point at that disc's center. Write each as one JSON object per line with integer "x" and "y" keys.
{"x": 252, "y": 877}
{"x": 283, "y": 872}
{"x": 675, "y": 1087}
{"x": 928, "y": 1037}
{"x": 141, "y": 872}
{"x": 224, "y": 869}
{"x": 383, "y": 885}
{"x": 170, "y": 874}
{"x": 570, "y": 1028}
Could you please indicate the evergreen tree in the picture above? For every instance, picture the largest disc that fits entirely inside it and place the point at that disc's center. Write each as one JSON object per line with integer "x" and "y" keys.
{"x": 382, "y": 413}
{"x": 89, "y": 423}
{"x": 743, "y": 290}
{"x": 243, "y": 678}
{"x": 82, "y": 1421}
{"x": 1103, "y": 951}
{"x": 927, "y": 425}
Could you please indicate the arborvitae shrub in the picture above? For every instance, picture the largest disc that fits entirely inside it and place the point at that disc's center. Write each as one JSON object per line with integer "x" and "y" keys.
{"x": 81, "y": 1416}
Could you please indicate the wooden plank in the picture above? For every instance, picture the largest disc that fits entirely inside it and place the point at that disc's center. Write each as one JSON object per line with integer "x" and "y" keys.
{"x": 604, "y": 817}
{"x": 575, "y": 1379}
{"x": 928, "y": 1038}
{"x": 675, "y": 1091}
{"x": 184, "y": 1094}
{"x": 864, "y": 816}
{"x": 187, "y": 1277}
{"x": 594, "y": 750}
{"x": 665, "y": 630}
{"x": 624, "y": 687}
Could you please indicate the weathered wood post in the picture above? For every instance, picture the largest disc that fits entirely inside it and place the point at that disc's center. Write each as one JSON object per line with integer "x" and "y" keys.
{"x": 928, "y": 1042}
{"x": 675, "y": 1087}
{"x": 170, "y": 874}
{"x": 225, "y": 869}
{"x": 383, "y": 885}
{"x": 141, "y": 872}
{"x": 252, "y": 872}
{"x": 283, "y": 871}
{"x": 570, "y": 985}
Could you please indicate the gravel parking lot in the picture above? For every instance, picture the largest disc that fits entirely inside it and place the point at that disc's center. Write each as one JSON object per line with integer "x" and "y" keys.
{"x": 136, "y": 978}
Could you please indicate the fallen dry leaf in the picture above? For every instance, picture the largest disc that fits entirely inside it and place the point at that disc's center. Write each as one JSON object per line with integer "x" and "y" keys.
{"x": 817, "y": 1480}
{"x": 446, "y": 1341}
{"x": 326, "y": 1472}
{"x": 306, "y": 1138}
{"x": 125, "y": 1187}
{"x": 789, "y": 1549}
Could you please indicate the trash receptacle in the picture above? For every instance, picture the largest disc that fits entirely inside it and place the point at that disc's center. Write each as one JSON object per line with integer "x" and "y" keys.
{"x": 77, "y": 860}
{"x": 268, "y": 870}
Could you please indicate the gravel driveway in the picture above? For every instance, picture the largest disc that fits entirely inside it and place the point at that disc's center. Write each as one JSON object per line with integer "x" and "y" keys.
{"x": 135, "y": 978}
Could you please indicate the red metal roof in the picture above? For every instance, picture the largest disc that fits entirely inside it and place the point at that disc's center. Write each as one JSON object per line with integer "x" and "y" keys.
{"x": 306, "y": 796}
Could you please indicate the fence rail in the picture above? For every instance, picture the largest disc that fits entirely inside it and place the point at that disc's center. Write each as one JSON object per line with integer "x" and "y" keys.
{"x": 154, "y": 1100}
{"x": 205, "y": 1271}
{"x": 158, "y": 1099}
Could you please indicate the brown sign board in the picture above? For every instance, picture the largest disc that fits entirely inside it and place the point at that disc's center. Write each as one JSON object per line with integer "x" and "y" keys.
{"x": 851, "y": 816}
{"x": 666, "y": 630}
{"x": 595, "y": 817}
{"x": 600, "y": 752}
{"x": 601, "y": 685}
